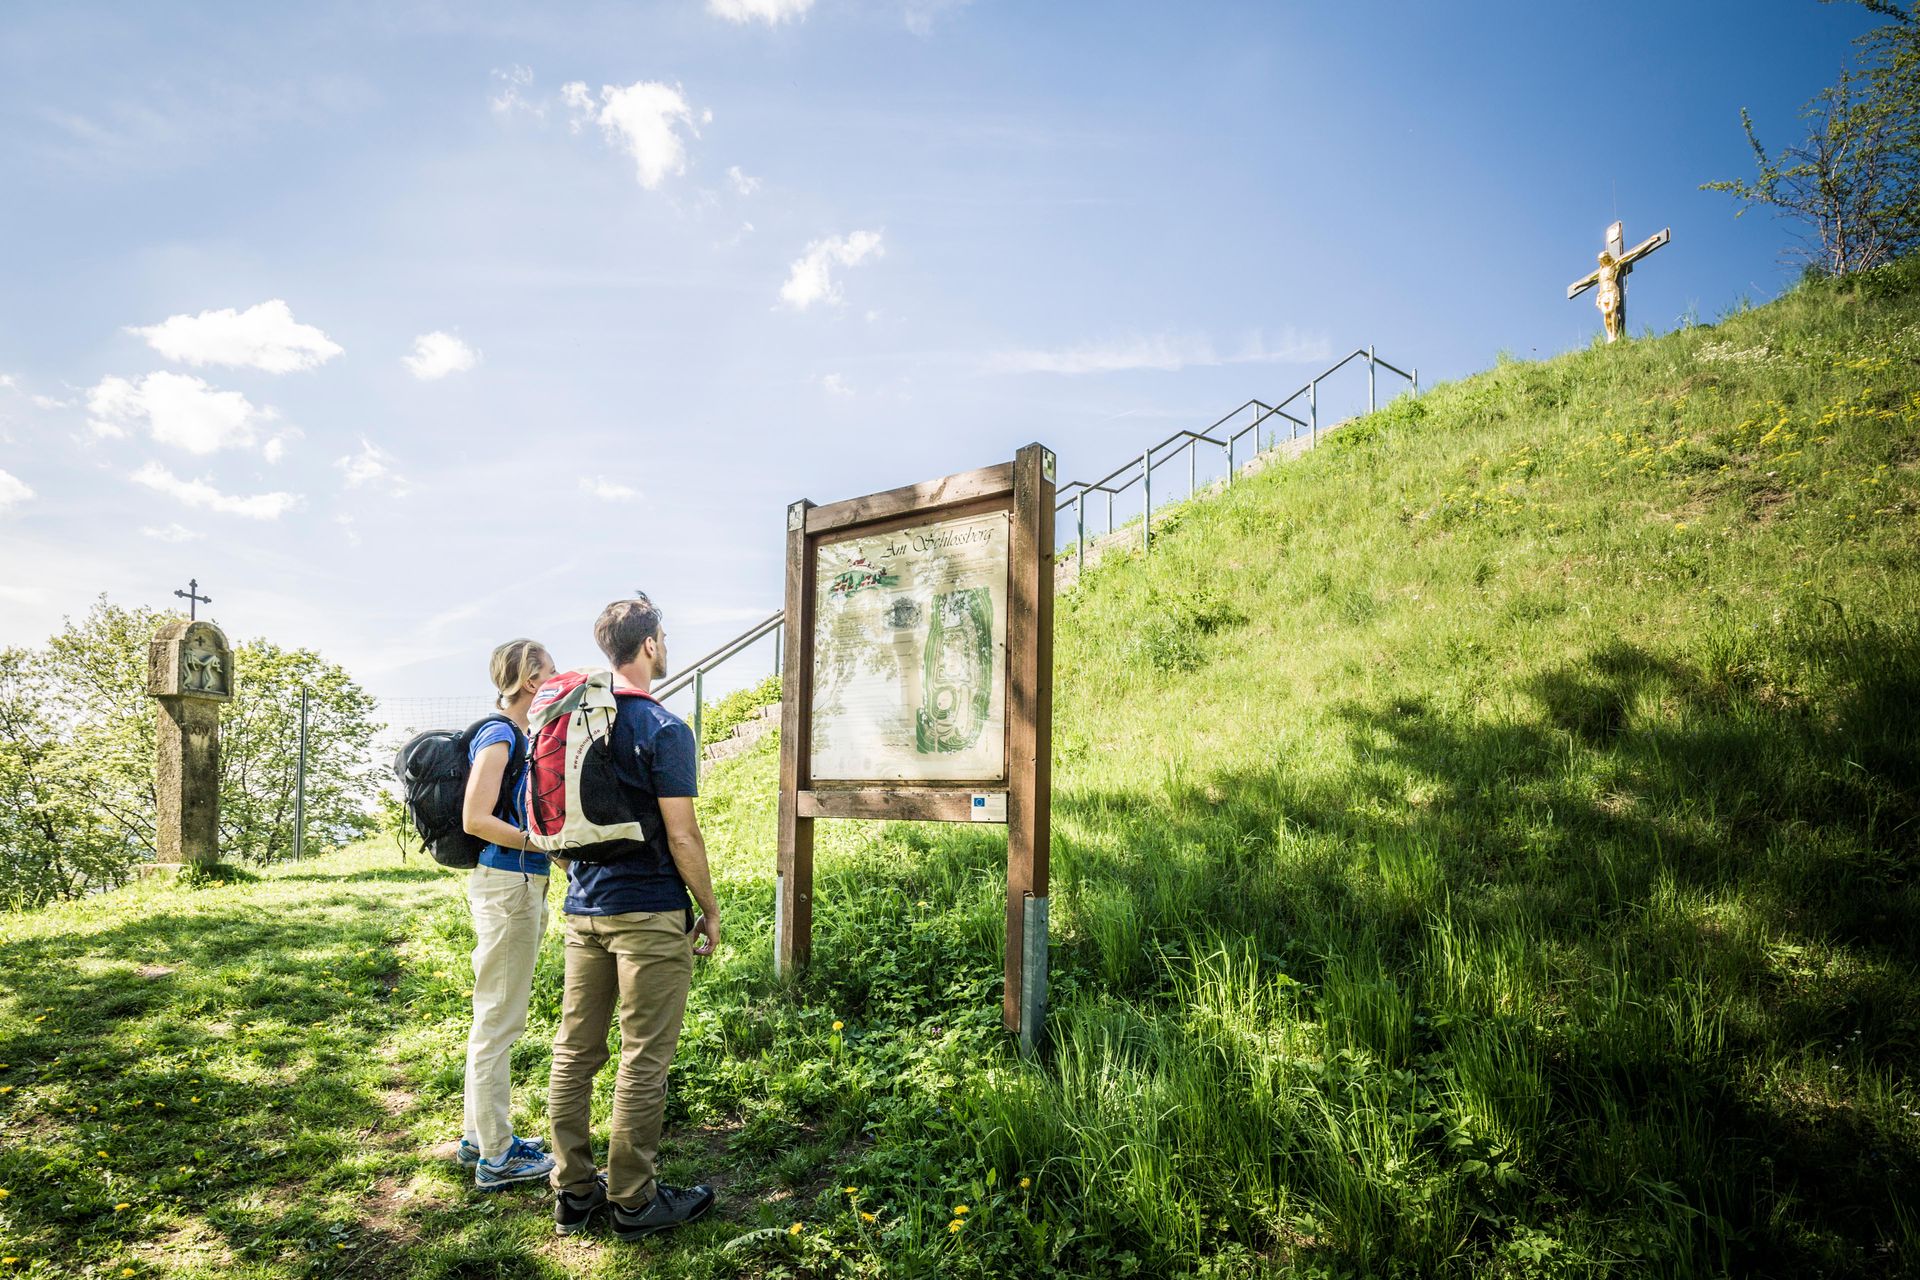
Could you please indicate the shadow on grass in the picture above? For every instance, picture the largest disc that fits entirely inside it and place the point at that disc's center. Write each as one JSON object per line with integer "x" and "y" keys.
{"x": 217, "y": 1065}
{"x": 1717, "y": 880}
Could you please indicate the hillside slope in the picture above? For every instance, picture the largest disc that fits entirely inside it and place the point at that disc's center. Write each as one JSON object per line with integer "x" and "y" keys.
{"x": 1485, "y": 846}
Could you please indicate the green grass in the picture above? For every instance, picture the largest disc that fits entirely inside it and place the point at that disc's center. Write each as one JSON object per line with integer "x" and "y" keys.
{"x": 1485, "y": 846}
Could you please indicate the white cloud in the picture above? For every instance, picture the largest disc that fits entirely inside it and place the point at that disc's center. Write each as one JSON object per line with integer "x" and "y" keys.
{"x": 373, "y": 466}
{"x": 199, "y": 493}
{"x": 7, "y": 383}
{"x": 641, "y": 119}
{"x": 50, "y": 402}
{"x": 771, "y": 12}
{"x": 437, "y": 354}
{"x": 834, "y": 385}
{"x": 178, "y": 409}
{"x": 920, "y": 15}
{"x": 274, "y": 449}
{"x": 608, "y": 490}
{"x": 171, "y": 533}
{"x": 507, "y": 96}
{"x": 1166, "y": 352}
{"x": 264, "y": 337}
{"x": 12, "y": 490}
{"x": 745, "y": 184}
{"x": 811, "y": 280}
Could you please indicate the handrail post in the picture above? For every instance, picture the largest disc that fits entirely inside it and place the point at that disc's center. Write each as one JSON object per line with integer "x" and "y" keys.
{"x": 1416, "y": 384}
{"x": 779, "y": 642}
{"x": 1371, "y": 404}
{"x": 699, "y": 696}
{"x": 1313, "y": 409}
{"x": 1191, "y": 471}
{"x": 1080, "y": 524}
{"x": 1146, "y": 516}
{"x": 1109, "y": 513}
{"x": 1229, "y": 462}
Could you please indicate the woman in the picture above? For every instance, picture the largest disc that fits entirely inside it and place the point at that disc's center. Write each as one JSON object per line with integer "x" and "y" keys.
{"x": 508, "y": 894}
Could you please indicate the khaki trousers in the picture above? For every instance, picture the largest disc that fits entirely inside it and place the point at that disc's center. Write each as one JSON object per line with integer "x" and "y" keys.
{"x": 642, "y": 961}
{"x": 509, "y": 919}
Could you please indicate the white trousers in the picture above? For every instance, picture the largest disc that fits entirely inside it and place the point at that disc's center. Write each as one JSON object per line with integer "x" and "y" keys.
{"x": 509, "y": 919}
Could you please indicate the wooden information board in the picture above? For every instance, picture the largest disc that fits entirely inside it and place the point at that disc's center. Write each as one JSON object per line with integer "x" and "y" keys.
{"x": 919, "y": 686}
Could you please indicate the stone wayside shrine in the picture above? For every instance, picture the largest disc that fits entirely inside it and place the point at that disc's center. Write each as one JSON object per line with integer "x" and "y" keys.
{"x": 190, "y": 670}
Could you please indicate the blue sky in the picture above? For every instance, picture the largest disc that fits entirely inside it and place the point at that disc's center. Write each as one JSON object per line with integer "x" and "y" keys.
{"x": 411, "y": 328}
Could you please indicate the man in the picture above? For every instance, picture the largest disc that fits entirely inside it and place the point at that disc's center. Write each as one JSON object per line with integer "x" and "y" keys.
{"x": 630, "y": 942}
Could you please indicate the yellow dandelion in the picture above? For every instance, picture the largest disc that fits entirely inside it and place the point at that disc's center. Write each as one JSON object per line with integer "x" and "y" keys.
{"x": 8, "y": 1261}
{"x": 1680, "y": 526}
{"x": 955, "y": 1225}
{"x": 4, "y": 1193}
{"x": 1025, "y": 1183}
{"x": 865, "y": 1216}
{"x": 126, "y": 1271}
{"x": 852, "y": 1191}
{"x": 795, "y": 1229}
{"x": 123, "y": 1205}
{"x": 961, "y": 1211}
{"x": 837, "y": 1024}
{"x": 194, "y": 1098}
{"x": 6, "y": 1088}
{"x": 103, "y": 1155}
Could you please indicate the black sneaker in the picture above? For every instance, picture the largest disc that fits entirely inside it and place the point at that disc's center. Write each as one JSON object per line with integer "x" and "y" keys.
{"x": 573, "y": 1212}
{"x": 669, "y": 1208}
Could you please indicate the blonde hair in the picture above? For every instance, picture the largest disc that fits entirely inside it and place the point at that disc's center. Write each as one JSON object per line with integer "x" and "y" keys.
{"x": 512, "y": 663}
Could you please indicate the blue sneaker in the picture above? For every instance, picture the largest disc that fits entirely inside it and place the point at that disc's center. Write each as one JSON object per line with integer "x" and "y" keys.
{"x": 518, "y": 1165}
{"x": 469, "y": 1154}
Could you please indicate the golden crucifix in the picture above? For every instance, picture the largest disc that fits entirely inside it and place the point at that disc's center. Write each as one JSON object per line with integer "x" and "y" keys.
{"x": 1611, "y": 276}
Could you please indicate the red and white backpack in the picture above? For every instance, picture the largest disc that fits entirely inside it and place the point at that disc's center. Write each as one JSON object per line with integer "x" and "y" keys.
{"x": 577, "y": 806}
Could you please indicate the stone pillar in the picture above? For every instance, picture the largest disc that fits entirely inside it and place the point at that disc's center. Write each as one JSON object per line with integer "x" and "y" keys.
{"x": 190, "y": 670}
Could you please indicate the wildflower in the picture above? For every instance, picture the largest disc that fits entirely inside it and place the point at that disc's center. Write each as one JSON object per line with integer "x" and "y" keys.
{"x": 961, "y": 1211}
{"x": 837, "y": 1024}
{"x": 1025, "y": 1183}
{"x": 194, "y": 1098}
{"x": 103, "y": 1155}
{"x": 6, "y": 1088}
{"x": 852, "y": 1191}
{"x": 795, "y": 1229}
{"x": 865, "y": 1216}
{"x": 159, "y": 1106}
{"x": 8, "y": 1261}
{"x": 1680, "y": 526}
{"x": 126, "y": 1271}
{"x": 122, "y": 1205}
{"x": 955, "y": 1225}
{"x": 4, "y": 1193}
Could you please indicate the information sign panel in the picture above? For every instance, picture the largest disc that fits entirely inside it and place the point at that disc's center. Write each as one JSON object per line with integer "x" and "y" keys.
{"x": 910, "y": 654}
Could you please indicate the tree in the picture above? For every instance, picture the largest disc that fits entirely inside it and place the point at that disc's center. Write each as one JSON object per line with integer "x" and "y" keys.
{"x": 1854, "y": 185}
{"x": 77, "y": 731}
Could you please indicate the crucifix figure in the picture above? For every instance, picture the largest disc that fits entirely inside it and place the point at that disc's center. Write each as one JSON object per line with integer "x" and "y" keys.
{"x": 193, "y": 598}
{"x": 1611, "y": 276}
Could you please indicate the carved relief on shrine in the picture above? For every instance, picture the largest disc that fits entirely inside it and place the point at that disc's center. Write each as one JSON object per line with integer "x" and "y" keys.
{"x": 190, "y": 660}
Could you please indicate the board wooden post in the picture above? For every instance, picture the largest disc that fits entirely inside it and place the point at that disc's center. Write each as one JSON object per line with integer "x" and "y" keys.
{"x": 793, "y": 878}
{"x": 1029, "y": 742}
{"x": 935, "y": 602}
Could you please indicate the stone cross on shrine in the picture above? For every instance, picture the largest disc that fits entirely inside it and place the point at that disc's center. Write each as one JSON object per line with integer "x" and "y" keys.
{"x": 1611, "y": 276}
{"x": 193, "y": 598}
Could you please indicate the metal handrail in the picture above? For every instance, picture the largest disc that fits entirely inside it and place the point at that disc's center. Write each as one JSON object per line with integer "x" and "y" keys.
{"x": 1140, "y": 471}
{"x": 1074, "y": 493}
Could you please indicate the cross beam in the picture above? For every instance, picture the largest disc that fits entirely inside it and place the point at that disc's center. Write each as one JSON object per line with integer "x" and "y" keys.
{"x": 193, "y": 598}
{"x": 1611, "y": 275}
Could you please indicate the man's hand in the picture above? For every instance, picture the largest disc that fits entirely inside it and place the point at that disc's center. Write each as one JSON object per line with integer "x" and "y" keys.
{"x": 706, "y": 931}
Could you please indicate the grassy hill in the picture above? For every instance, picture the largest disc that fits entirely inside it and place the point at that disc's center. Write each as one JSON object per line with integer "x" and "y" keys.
{"x": 1483, "y": 847}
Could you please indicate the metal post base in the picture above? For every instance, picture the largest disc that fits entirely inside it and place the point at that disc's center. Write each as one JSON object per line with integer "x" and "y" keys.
{"x": 1033, "y": 974}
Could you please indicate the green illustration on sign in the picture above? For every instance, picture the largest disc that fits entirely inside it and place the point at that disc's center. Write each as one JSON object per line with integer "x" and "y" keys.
{"x": 956, "y": 685}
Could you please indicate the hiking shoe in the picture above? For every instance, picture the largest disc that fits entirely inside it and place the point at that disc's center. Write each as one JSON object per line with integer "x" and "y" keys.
{"x": 514, "y": 1167}
{"x": 573, "y": 1212}
{"x": 669, "y": 1208}
{"x": 469, "y": 1154}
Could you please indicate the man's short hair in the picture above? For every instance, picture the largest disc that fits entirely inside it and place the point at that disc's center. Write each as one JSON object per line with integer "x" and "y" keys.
{"x": 624, "y": 626}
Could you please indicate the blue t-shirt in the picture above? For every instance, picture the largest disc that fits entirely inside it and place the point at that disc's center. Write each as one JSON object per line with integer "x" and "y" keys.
{"x": 653, "y": 756}
{"x": 514, "y": 810}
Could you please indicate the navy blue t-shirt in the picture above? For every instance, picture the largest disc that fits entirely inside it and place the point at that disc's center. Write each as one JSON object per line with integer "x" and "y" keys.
{"x": 653, "y": 755}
